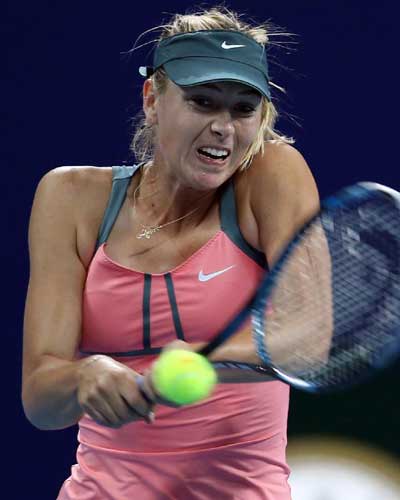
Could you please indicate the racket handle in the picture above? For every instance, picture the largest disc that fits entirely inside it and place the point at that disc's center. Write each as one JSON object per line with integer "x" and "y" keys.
{"x": 140, "y": 381}
{"x": 264, "y": 370}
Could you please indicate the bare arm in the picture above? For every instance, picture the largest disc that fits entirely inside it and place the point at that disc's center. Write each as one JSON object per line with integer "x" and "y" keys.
{"x": 57, "y": 388}
{"x": 283, "y": 197}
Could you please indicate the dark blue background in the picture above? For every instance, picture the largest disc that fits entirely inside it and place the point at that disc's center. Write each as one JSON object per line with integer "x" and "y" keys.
{"x": 69, "y": 97}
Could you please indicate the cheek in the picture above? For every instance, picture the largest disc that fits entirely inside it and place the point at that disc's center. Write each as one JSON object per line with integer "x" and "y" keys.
{"x": 249, "y": 134}
{"x": 175, "y": 129}
{"x": 167, "y": 124}
{"x": 254, "y": 129}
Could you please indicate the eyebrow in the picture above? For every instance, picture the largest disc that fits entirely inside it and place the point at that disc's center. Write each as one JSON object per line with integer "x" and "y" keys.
{"x": 248, "y": 91}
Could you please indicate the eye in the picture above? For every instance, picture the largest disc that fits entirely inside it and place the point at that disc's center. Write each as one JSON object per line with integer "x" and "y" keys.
{"x": 245, "y": 109}
{"x": 202, "y": 101}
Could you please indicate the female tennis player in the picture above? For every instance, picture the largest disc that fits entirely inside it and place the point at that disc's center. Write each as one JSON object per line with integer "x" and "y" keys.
{"x": 127, "y": 260}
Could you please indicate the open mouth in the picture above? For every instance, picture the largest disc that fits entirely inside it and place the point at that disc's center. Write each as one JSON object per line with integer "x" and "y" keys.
{"x": 214, "y": 153}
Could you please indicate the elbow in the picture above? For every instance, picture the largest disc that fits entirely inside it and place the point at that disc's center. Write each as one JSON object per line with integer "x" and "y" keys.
{"x": 30, "y": 414}
{"x": 39, "y": 419}
{"x": 44, "y": 419}
{"x": 43, "y": 422}
{"x": 33, "y": 419}
{"x": 46, "y": 405}
{"x": 41, "y": 426}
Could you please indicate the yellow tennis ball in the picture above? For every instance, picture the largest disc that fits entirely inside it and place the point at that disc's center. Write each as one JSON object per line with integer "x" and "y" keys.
{"x": 183, "y": 377}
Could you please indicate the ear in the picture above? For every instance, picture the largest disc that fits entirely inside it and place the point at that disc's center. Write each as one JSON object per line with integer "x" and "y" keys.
{"x": 149, "y": 102}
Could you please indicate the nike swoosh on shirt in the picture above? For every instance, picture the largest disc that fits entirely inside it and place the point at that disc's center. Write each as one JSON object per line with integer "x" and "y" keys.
{"x": 227, "y": 46}
{"x": 206, "y": 277}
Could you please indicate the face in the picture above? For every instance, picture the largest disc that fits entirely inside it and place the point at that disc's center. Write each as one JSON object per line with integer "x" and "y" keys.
{"x": 203, "y": 131}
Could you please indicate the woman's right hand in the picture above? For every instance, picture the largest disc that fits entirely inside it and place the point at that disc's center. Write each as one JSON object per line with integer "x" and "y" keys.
{"x": 109, "y": 394}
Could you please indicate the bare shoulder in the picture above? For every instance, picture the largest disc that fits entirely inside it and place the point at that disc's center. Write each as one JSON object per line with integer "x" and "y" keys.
{"x": 73, "y": 181}
{"x": 79, "y": 194}
{"x": 83, "y": 178}
{"x": 282, "y": 195}
{"x": 281, "y": 171}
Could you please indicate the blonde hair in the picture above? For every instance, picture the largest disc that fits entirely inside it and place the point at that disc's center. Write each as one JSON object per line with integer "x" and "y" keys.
{"x": 216, "y": 18}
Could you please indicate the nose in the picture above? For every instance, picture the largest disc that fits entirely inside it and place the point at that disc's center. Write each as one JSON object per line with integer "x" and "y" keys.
{"x": 222, "y": 125}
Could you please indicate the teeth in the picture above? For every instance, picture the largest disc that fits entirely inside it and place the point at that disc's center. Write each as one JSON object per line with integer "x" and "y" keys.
{"x": 215, "y": 152}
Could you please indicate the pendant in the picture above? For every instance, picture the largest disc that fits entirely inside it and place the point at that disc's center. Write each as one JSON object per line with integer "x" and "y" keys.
{"x": 147, "y": 232}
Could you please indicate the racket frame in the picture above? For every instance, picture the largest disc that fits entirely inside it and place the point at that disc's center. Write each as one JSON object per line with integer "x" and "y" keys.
{"x": 348, "y": 197}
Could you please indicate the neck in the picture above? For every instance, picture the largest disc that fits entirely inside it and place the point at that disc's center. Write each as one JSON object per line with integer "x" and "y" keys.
{"x": 159, "y": 199}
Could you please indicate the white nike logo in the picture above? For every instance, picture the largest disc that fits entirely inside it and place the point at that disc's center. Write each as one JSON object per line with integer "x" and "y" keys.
{"x": 226, "y": 46}
{"x": 206, "y": 277}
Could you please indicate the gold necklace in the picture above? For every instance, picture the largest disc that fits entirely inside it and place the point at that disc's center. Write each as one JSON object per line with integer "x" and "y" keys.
{"x": 148, "y": 231}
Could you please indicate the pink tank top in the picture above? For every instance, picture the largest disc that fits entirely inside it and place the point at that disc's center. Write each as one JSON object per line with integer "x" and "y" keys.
{"x": 231, "y": 446}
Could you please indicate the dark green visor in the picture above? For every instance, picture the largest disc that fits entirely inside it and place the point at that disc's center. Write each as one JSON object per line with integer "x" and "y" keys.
{"x": 212, "y": 56}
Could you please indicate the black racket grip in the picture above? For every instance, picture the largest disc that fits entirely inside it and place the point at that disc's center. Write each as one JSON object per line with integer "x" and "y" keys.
{"x": 265, "y": 370}
{"x": 142, "y": 390}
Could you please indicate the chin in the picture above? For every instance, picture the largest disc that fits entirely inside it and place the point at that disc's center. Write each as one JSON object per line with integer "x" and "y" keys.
{"x": 212, "y": 180}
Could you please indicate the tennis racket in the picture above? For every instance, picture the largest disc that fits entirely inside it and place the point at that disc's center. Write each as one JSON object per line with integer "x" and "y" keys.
{"x": 327, "y": 315}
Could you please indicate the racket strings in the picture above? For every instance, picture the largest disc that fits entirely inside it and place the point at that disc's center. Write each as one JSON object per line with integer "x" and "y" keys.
{"x": 334, "y": 309}
{"x": 363, "y": 287}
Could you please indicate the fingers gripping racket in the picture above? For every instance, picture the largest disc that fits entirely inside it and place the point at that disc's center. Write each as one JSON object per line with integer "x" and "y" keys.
{"x": 327, "y": 315}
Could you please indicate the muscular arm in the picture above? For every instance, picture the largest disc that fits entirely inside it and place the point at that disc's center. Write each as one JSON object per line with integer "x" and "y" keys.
{"x": 57, "y": 388}
{"x": 283, "y": 196}
{"x": 52, "y": 318}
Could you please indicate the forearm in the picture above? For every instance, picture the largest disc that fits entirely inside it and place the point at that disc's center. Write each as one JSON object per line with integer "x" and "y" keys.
{"x": 50, "y": 394}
